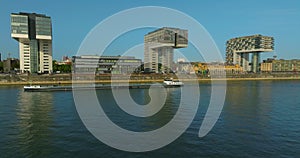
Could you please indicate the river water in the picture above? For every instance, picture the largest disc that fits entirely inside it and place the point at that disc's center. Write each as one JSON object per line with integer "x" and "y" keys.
{"x": 259, "y": 119}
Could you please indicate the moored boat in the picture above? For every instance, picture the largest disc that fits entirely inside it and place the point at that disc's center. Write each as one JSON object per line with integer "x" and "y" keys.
{"x": 47, "y": 88}
{"x": 39, "y": 88}
{"x": 172, "y": 83}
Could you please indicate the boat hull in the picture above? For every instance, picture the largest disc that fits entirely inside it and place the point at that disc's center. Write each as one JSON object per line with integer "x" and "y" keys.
{"x": 97, "y": 87}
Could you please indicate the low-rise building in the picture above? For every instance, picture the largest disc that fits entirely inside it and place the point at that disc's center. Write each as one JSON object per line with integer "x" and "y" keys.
{"x": 106, "y": 64}
{"x": 185, "y": 67}
{"x": 286, "y": 65}
{"x": 204, "y": 68}
{"x": 272, "y": 65}
{"x": 266, "y": 65}
{"x": 11, "y": 65}
{"x": 65, "y": 61}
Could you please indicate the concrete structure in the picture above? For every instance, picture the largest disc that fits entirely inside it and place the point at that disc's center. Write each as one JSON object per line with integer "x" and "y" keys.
{"x": 159, "y": 46}
{"x": 238, "y": 51}
{"x": 106, "y": 64}
{"x": 34, "y": 34}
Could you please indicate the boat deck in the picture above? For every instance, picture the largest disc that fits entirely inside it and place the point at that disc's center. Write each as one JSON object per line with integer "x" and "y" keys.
{"x": 96, "y": 87}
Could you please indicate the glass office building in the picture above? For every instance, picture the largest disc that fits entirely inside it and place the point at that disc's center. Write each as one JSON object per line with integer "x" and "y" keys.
{"x": 34, "y": 34}
{"x": 93, "y": 64}
{"x": 159, "y": 46}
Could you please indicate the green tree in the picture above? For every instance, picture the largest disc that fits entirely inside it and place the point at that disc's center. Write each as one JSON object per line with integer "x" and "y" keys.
{"x": 54, "y": 65}
{"x": 1, "y": 66}
{"x": 66, "y": 68}
{"x": 15, "y": 65}
{"x": 61, "y": 68}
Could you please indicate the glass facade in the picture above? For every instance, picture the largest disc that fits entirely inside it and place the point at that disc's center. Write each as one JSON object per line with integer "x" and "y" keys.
{"x": 43, "y": 26}
{"x": 34, "y": 34}
{"x": 19, "y": 24}
{"x": 34, "y": 56}
{"x": 106, "y": 64}
{"x": 166, "y": 35}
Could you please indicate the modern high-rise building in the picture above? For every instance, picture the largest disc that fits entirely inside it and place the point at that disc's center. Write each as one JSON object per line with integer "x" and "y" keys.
{"x": 238, "y": 51}
{"x": 34, "y": 34}
{"x": 159, "y": 46}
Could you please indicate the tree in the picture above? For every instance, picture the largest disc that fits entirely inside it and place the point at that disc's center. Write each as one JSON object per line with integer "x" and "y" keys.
{"x": 1, "y": 66}
{"x": 61, "y": 68}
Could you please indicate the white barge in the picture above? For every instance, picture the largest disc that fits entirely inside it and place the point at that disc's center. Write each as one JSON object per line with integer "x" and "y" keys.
{"x": 38, "y": 88}
{"x": 172, "y": 83}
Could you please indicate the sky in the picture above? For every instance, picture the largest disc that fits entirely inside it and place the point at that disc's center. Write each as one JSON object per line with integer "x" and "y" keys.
{"x": 73, "y": 20}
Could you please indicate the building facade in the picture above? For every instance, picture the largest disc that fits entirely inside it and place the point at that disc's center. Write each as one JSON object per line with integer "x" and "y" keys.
{"x": 238, "y": 51}
{"x": 272, "y": 65}
{"x": 34, "y": 34}
{"x": 266, "y": 65}
{"x": 159, "y": 48}
{"x": 10, "y": 65}
{"x": 91, "y": 64}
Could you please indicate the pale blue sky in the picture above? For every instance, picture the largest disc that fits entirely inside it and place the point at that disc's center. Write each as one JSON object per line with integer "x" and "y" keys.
{"x": 72, "y": 20}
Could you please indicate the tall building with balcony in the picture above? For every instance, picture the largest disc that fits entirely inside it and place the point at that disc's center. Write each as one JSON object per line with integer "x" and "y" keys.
{"x": 159, "y": 46}
{"x": 34, "y": 34}
{"x": 239, "y": 49}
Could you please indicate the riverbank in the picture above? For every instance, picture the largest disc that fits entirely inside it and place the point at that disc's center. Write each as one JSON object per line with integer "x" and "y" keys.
{"x": 107, "y": 81}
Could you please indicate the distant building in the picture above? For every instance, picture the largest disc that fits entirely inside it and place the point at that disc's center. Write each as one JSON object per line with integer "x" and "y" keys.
{"x": 180, "y": 60}
{"x": 106, "y": 64}
{"x": 65, "y": 61}
{"x": 159, "y": 46}
{"x": 34, "y": 34}
{"x": 217, "y": 67}
{"x": 11, "y": 65}
{"x": 266, "y": 65}
{"x": 205, "y": 68}
{"x": 185, "y": 67}
{"x": 272, "y": 65}
{"x": 65, "y": 58}
{"x": 238, "y": 51}
{"x": 286, "y": 65}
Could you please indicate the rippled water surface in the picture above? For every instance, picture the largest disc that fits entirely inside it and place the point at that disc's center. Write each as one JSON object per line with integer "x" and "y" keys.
{"x": 259, "y": 119}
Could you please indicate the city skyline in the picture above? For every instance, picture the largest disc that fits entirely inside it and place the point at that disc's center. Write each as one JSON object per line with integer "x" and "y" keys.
{"x": 223, "y": 20}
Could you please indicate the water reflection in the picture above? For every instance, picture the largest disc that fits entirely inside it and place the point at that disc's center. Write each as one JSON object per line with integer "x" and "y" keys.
{"x": 140, "y": 96}
{"x": 168, "y": 111}
{"x": 247, "y": 113}
{"x": 259, "y": 119}
{"x": 34, "y": 122}
{"x": 246, "y": 100}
